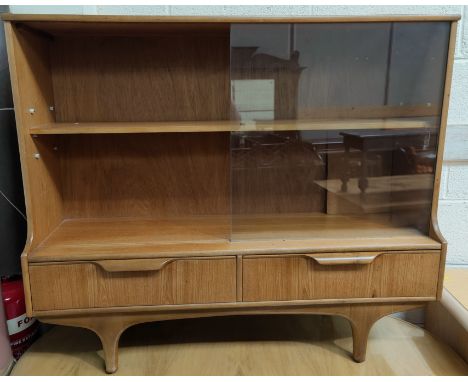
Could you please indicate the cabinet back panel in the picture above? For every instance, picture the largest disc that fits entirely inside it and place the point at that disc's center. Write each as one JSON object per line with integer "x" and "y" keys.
{"x": 275, "y": 173}
{"x": 172, "y": 77}
{"x": 145, "y": 175}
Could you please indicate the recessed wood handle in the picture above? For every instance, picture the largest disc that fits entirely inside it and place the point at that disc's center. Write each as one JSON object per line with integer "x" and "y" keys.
{"x": 344, "y": 259}
{"x": 133, "y": 265}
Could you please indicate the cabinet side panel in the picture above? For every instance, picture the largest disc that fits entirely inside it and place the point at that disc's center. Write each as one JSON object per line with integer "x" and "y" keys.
{"x": 32, "y": 94}
{"x": 31, "y": 86}
{"x": 434, "y": 231}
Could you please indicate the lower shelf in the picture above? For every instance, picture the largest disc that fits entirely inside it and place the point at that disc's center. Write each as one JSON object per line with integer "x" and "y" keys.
{"x": 94, "y": 239}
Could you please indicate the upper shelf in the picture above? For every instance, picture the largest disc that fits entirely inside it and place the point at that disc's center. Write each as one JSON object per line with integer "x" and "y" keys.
{"x": 218, "y": 126}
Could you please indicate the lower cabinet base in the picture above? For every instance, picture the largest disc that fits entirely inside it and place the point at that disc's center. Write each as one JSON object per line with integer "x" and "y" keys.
{"x": 110, "y": 326}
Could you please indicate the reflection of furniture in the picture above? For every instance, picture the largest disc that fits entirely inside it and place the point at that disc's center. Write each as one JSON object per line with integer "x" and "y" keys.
{"x": 268, "y": 167}
{"x": 377, "y": 141}
{"x": 136, "y": 211}
{"x": 419, "y": 185}
{"x": 248, "y": 64}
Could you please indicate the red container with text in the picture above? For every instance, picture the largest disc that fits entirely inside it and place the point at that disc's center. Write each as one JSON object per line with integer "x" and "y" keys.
{"x": 21, "y": 329}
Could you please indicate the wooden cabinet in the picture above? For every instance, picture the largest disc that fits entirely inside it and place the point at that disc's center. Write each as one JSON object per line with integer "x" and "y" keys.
{"x": 191, "y": 167}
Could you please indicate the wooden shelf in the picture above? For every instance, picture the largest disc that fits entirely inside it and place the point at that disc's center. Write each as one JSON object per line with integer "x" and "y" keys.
{"x": 95, "y": 239}
{"x": 219, "y": 126}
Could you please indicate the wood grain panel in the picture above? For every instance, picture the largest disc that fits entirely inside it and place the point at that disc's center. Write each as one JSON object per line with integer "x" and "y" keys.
{"x": 218, "y": 126}
{"x": 32, "y": 93}
{"x": 301, "y": 278}
{"x": 127, "y": 28}
{"x": 146, "y": 176}
{"x": 434, "y": 230}
{"x": 87, "y": 285}
{"x": 131, "y": 238}
{"x": 28, "y": 55}
{"x": 159, "y": 78}
{"x": 274, "y": 174}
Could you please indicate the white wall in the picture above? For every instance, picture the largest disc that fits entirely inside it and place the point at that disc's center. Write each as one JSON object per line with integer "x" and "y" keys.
{"x": 453, "y": 210}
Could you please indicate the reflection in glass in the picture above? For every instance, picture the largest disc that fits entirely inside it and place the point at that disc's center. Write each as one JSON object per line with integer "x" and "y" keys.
{"x": 342, "y": 125}
{"x": 342, "y": 70}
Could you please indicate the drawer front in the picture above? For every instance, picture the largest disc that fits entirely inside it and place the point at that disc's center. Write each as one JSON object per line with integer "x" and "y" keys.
{"x": 340, "y": 276}
{"x": 111, "y": 283}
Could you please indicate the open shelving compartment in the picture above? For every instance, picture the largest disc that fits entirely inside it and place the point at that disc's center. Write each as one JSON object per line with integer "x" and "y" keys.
{"x": 178, "y": 139}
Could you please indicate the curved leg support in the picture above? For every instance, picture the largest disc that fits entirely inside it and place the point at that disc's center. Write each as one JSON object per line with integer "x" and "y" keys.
{"x": 109, "y": 327}
{"x": 360, "y": 337}
{"x": 363, "y": 317}
{"x": 110, "y": 343}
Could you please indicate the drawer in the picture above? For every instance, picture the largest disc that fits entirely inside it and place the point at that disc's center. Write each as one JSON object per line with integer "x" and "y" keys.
{"x": 109, "y": 283}
{"x": 339, "y": 276}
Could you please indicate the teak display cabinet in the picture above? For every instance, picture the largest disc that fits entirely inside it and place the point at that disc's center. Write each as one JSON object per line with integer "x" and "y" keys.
{"x": 192, "y": 167}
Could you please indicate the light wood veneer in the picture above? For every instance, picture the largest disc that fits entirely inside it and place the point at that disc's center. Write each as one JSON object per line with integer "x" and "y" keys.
{"x": 92, "y": 285}
{"x": 126, "y": 228}
{"x": 271, "y": 278}
{"x": 219, "y": 126}
{"x": 98, "y": 239}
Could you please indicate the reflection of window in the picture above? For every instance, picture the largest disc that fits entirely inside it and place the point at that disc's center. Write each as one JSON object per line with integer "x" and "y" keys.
{"x": 254, "y": 99}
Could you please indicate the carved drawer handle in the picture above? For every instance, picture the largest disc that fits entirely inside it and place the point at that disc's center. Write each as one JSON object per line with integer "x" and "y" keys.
{"x": 134, "y": 265}
{"x": 339, "y": 259}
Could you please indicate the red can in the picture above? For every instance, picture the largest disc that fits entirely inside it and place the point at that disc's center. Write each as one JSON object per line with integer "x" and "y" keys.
{"x": 21, "y": 329}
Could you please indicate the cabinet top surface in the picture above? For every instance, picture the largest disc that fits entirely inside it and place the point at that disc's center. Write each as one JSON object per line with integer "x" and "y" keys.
{"x": 221, "y": 19}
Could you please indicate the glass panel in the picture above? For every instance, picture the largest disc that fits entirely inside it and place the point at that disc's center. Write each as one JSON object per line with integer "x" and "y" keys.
{"x": 338, "y": 128}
